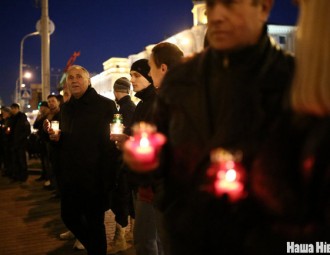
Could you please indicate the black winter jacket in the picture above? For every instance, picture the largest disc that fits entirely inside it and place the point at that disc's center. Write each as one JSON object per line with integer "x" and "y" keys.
{"x": 214, "y": 100}
{"x": 144, "y": 109}
{"x": 87, "y": 156}
{"x": 127, "y": 108}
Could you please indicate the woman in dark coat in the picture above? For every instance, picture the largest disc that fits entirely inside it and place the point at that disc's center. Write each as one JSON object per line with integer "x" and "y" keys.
{"x": 291, "y": 176}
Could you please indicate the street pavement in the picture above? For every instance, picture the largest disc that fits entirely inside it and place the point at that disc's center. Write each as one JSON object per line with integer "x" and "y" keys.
{"x": 30, "y": 222}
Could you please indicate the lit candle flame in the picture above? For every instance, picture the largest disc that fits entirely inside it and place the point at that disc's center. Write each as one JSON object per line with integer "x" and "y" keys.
{"x": 144, "y": 142}
{"x": 231, "y": 175}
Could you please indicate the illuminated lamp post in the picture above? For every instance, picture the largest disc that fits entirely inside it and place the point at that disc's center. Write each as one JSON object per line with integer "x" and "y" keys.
{"x": 27, "y": 75}
{"x": 21, "y": 57}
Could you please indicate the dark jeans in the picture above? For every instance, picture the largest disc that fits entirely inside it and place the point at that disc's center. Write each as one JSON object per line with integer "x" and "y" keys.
{"x": 84, "y": 217}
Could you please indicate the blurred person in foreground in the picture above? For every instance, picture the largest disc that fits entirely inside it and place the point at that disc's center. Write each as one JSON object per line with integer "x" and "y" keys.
{"x": 224, "y": 98}
{"x": 87, "y": 160}
{"x": 291, "y": 175}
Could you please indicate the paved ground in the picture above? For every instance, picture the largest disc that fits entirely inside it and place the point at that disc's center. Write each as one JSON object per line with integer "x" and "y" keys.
{"x": 30, "y": 222}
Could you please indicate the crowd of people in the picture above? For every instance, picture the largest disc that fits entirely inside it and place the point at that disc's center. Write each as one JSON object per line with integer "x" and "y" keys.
{"x": 244, "y": 168}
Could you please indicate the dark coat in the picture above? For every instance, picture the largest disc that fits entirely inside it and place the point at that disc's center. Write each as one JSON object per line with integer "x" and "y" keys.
{"x": 216, "y": 100}
{"x": 127, "y": 108}
{"x": 144, "y": 109}
{"x": 143, "y": 112}
{"x": 20, "y": 129}
{"x": 87, "y": 156}
{"x": 291, "y": 179}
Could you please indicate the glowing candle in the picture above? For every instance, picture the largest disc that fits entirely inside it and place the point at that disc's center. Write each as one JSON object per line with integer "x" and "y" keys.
{"x": 116, "y": 127}
{"x": 145, "y": 143}
{"x": 226, "y": 175}
{"x": 228, "y": 183}
{"x": 144, "y": 150}
{"x": 55, "y": 125}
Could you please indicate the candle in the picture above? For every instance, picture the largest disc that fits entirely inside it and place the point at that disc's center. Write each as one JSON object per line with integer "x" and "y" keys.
{"x": 228, "y": 183}
{"x": 55, "y": 125}
{"x": 146, "y": 143}
{"x": 116, "y": 127}
{"x": 226, "y": 175}
{"x": 144, "y": 151}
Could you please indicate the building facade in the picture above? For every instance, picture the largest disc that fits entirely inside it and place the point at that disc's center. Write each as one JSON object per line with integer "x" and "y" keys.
{"x": 190, "y": 41}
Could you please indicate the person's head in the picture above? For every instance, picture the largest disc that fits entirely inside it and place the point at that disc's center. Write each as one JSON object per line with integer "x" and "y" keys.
{"x": 78, "y": 80}
{"x": 236, "y": 24}
{"x": 121, "y": 87}
{"x": 15, "y": 108}
{"x": 6, "y": 112}
{"x": 66, "y": 95}
{"x": 60, "y": 99}
{"x": 53, "y": 102}
{"x": 311, "y": 84}
{"x": 163, "y": 57}
{"x": 140, "y": 78}
{"x": 43, "y": 107}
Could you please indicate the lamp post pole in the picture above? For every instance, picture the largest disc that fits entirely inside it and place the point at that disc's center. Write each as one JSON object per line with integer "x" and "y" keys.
{"x": 45, "y": 52}
{"x": 17, "y": 90}
{"x": 21, "y": 61}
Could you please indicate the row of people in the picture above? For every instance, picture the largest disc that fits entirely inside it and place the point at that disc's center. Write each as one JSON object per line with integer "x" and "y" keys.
{"x": 91, "y": 170}
{"x": 245, "y": 167}
{"x": 15, "y": 130}
{"x": 233, "y": 97}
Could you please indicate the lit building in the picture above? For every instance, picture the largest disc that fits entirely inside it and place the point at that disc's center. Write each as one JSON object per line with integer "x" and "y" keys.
{"x": 190, "y": 41}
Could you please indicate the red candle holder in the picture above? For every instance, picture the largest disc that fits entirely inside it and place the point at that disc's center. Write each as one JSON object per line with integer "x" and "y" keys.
{"x": 145, "y": 143}
{"x": 226, "y": 175}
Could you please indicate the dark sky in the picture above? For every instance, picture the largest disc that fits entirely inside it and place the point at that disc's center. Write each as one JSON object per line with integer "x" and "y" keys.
{"x": 100, "y": 29}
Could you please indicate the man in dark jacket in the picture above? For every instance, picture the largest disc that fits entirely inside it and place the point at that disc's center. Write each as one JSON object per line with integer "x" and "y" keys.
{"x": 122, "y": 200}
{"x": 19, "y": 132}
{"x": 42, "y": 138}
{"x": 225, "y": 97}
{"x": 87, "y": 160}
{"x": 121, "y": 89}
{"x": 146, "y": 237}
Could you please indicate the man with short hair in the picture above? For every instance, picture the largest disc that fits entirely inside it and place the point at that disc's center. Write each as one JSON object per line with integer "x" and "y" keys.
{"x": 20, "y": 129}
{"x": 122, "y": 200}
{"x": 52, "y": 167}
{"x": 121, "y": 89}
{"x": 228, "y": 96}
{"x": 87, "y": 160}
{"x": 42, "y": 138}
{"x": 164, "y": 56}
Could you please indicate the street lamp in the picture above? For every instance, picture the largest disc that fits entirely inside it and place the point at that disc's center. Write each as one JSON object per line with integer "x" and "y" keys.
{"x": 21, "y": 57}
{"x": 26, "y": 75}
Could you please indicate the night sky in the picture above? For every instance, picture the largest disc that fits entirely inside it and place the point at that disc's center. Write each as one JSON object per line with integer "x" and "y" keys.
{"x": 99, "y": 29}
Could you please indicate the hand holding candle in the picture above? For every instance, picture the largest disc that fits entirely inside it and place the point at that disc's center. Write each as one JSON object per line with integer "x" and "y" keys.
{"x": 141, "y": 151}
{"x": 54, "y": 130}
{"x": 227, "y": 175}
{"x": 117, "y": 127}
{"x": 55, "y": 125}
